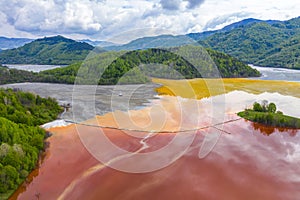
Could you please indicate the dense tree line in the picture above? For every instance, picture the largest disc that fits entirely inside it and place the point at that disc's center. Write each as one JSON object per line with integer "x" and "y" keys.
{"x": 139, "y": 66}
{"x": 231, "y": 67}
{"x": 21, "y": 138}
{"x": 265, "y": 113}
{"x": 17, "y": 76}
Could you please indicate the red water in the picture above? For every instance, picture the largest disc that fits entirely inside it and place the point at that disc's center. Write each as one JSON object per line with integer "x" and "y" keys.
{"x": 249, "y": 161}
{"x": 244, "y": 165}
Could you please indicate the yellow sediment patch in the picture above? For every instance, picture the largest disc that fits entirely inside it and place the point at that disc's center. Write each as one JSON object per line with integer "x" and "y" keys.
{"x": 201, "y": 88}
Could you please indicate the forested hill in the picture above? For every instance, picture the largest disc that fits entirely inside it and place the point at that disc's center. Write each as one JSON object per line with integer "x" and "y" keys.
{"x": 21, "y": 138}
{"x": 275, "y": 44}
{"x": 141, "y": 64}
{"x": 49, "y": 50}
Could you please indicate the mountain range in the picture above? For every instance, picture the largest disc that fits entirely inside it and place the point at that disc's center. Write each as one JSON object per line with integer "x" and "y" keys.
{"x": 10, "y": 43}
{"x": 268, "y": 43}
{"x": 245, "y": 22}
{"x": 275, "y": 44}
{"x": 190, "y": 38}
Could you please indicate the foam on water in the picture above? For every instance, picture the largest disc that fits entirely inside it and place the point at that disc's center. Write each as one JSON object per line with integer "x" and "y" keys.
{"x": 56, "y": 123}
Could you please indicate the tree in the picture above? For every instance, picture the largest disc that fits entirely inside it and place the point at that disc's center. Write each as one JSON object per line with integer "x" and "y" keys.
{"x": 257, "y": 107}
{"x": 272, "y": 108}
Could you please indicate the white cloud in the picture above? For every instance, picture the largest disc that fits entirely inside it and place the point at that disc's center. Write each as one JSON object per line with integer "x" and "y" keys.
{"x": 223, "y": 20}
{"x": 101, "y": 19}
{"x": 78, "y": 16}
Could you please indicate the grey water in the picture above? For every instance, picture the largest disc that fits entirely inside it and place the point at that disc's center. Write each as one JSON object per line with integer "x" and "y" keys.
{"x": 33, "y": 68}
{"x": 88, "y": 100}
{"x": 281, "y": 74}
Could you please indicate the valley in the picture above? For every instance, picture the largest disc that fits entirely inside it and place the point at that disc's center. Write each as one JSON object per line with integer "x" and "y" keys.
{"x": 158, "y": 117}
{"x": 129, "y": 123}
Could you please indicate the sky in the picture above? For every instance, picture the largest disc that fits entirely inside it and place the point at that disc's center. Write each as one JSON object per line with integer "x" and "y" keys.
{"x": 112, "y": 19}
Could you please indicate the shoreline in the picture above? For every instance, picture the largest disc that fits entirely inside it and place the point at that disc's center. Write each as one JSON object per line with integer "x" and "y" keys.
{"x": 34, "y": 173}
{"x": 254, "y": 66}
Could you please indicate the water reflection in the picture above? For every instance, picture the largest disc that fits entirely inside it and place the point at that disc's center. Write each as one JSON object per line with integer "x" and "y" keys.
{"x": 268, "y": 130}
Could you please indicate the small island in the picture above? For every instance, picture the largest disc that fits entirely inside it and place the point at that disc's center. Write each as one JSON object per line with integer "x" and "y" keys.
{"x": 267, "y": 114}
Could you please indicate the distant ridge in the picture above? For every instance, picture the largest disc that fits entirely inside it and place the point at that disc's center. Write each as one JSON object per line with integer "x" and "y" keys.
{"x": 97, "y": 43}
{"x": 154, "y": 42}
{"x": 180, "y": 40}
{"x": 10, "y": 43}
{"x": 247, "y": 22}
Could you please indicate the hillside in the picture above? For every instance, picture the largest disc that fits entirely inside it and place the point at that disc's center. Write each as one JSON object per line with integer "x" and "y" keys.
{"x": 21, "y": 138}
{"x": 273, "y": 44}
{"x": 179, "y": 40}
{"x": 239, "y": 24}
{"x": 141, "y": 64}
{"x": 49, "y": 50}
{"x": 287, "y": 55}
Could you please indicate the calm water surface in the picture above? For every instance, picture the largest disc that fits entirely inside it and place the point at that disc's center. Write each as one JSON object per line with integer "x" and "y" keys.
{"x": 33, "y": 68}
{"x": 269, "y": 73}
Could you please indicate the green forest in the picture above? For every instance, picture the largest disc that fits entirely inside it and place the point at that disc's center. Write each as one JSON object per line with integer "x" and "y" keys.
{"x": 267, "y": 114}
{"x": 16, "y": 76}
{"x": 48, "y": 51}
{"x": 21, "y": 138}
{"x": 138, "y": 66}
{"x": 263, "y": 44}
